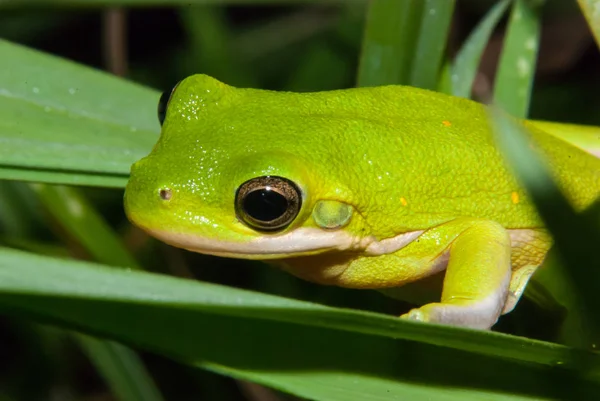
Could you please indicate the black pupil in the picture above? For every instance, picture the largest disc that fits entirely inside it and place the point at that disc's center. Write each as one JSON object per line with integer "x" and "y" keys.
{"x": 265, "y": 204}
{"x": 162, "y": 106}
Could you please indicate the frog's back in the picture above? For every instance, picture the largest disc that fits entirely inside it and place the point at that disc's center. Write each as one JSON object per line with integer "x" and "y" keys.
{"x": 441, "y": 161}
{"x": 414, "y": 158}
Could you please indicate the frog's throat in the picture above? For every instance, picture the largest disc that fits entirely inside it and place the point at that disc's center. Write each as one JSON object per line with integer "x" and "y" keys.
{"x": 302, "y": 241}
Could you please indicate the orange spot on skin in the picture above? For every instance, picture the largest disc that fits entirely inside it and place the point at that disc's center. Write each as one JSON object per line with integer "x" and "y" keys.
{"x": 446, "y": 123}
{"x": 403, "y": 201}
{"x": 514, "y": 197}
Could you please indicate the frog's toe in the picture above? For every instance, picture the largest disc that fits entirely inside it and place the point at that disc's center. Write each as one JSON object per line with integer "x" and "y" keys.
{"x": 465, "y": 313}
{"x": 418, "y": 314}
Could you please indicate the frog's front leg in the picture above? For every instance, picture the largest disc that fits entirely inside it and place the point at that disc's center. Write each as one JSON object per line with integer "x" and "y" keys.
{"x": 477, "y": 279}
{"x": 476, "y": 257}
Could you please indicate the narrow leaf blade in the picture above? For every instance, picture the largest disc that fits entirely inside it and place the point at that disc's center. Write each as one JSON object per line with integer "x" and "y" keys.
{"x": 248, "y": 335}
{"x": 464, "y": 68}
{"x": 431, "y": 43}
{"x": 101, "y": 122}
{"x": 389, "y": 42}
{"x": 514, "y": 80}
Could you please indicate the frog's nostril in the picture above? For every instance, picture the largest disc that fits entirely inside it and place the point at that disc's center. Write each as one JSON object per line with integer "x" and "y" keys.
{"x": 165, "y": 194}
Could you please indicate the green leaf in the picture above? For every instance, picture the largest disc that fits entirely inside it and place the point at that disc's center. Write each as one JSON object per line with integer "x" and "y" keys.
{"x": 66, "y": 177}
{"x": 66, "y": 109}
{"x": 389, "y": 42}
{"x": 17, "y": 210}
{"x": 514, "y": 80}
{"x": 308, "y": 74}
{"x": 466, "y": 62}
{"x": 62, "y": 122}
{"x": 575, "y": 235}
{"x": 84, "y": 224}
{"x": 145, "y": 3}
{"x": 210, "y": 47}
{"x": 404, "y": 42}
{"x": 591, "y": 10}
{"x": 575, "y": 239}
{"x": 431, "y": 43}
{"x": 313, "y": 351}
{"x": 122, "y": 368}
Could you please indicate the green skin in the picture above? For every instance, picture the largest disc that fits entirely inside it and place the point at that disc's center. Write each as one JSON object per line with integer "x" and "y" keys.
{"x": 400, "y": 187}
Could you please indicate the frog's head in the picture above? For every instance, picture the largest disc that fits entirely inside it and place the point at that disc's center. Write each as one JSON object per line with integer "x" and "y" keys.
{"x": 234, "y": 174}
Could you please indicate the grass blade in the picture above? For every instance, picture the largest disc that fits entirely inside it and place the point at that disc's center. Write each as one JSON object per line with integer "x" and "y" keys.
{"x": 121, "y": 368}
{"x": 389, "y": 42}
{"x": 512, "y": 91}
{"x": 17, "y": 210}
{"x": 514, "y": 80}
{"x": 591, "y": 10}
{"x": 245, "y": 334}
{"x": 146, "y": 3}
{"x": 576, "y": 236}
{"x": 431, "y": 43}
{"x": 67, "y": 177}
{"x": 466, "y": 62}
{"x": 404, "y": 42}
{"x": 84, "y": 224}
{"x": 210, "y": 47}
{"x": 101, "y": 122}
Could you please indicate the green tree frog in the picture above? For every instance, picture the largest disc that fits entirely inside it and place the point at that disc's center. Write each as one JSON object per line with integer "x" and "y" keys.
{"x": 392, "y": 188}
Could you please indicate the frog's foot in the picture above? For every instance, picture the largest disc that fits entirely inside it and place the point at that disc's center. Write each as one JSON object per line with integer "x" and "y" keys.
{"x": 418, "y": 314}
{"x": 477, "y": 279}
{"x": 476, "y": 314}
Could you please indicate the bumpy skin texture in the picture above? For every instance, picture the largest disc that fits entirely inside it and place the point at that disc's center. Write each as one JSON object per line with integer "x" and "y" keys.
{"x": 430, "y": 193}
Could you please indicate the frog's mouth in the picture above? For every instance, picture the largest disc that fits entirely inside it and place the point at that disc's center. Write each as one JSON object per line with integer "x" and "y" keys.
{"x": 300, "y": 242}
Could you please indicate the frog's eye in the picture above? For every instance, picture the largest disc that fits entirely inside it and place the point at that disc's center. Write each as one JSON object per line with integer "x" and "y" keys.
{"x": 163, "y": 103}
{"x": 268, "y": 203}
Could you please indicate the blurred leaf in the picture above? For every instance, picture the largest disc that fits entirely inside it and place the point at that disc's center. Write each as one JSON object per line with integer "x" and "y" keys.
{"x": 16, "y": 219}
{"x": 591, "y": 10}
{"x": 445, "y": 83}
{"x": 389, "y": 42}
{"x": 404, "y": 42}
{"x": 512, "y": 92}
{"x": 210, "y": 50}
{"x": 321, "y": 69}
{"x": 35, "y": 370}
{"x": 550, "y": 286}
{"x": 84, "y": 224}
{"x": 431, "y": 43}
{"x": 350, "y": 23}
{"x": 67, "y": 177}
{"x": 576, "y": 236}
{"x": 245, "y": 334}
{"x": 466, "y": 62}
{"x": 264, "y": 39}
{"x": 25, "y": 24}
{"x": 124, "y": 372}
{"x": 585, "y": 137}
{"x": 65, "y": 109}
{"x": 120, "y": 366}
{"x": 122, "y": 369}
{"x": 62, "y": 122}
{"x": 514, "y": 79}
{"x": 42, "y": 248}
{"x": 145, "y": 3}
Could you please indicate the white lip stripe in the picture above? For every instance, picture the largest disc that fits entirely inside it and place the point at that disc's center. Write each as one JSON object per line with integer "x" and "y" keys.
{"x": 297, "y": 241}
{"x": 392, "y": 244}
